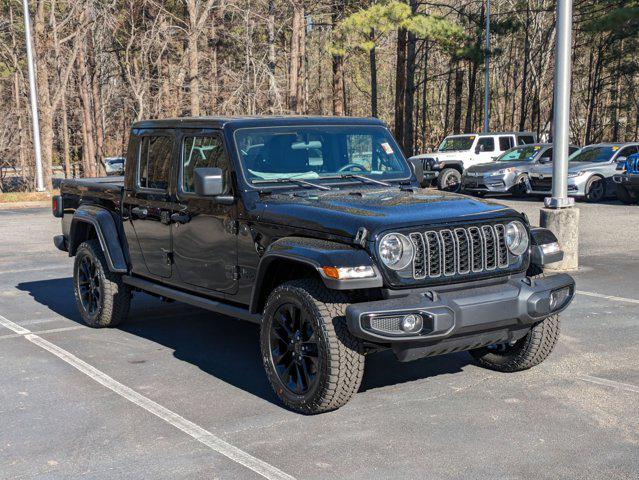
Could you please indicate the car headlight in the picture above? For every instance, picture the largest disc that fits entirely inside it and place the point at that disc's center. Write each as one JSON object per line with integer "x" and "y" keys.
{"x": 575, "y": 174}
{"x": 506, "y": 170}
{"x": 396, "y": 251}
{"x": 516, "y": 238}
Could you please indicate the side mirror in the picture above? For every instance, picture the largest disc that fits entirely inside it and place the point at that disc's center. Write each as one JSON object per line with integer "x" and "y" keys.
{"x": 621, "y": 165}
{"x": 209, "y": 182}
{"x": 417, "y": 166}
{"x": 621, "y": 159}
{"x": 478, "y": 149}
{"x": 544, "y": 160}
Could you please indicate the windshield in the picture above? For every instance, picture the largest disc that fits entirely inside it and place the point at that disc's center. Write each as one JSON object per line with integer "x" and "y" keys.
{"x": 594, "y": 154}
{"x": 520, "y": 154}
{"x": 452, "y": 144}
{"x": 317, "y": 152}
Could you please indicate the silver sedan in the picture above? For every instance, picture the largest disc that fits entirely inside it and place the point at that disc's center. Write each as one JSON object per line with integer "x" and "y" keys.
{"x": 590, "y": 171}
{"x": 508, "y": 172}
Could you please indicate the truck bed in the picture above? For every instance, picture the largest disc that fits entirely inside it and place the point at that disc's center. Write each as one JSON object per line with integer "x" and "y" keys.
{"x": 106, "y": 191}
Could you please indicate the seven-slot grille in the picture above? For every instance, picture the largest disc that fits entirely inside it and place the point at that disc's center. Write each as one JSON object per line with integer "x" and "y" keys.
{"x": 459, "y": 251}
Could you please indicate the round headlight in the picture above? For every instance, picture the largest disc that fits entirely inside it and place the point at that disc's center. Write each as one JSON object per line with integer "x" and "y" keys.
{"x": 516, "y": 238}
{"x": 396, "y": 251}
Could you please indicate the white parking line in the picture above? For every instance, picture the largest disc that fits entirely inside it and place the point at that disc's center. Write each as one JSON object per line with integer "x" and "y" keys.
{"x": 198, "y": 433}
{"x": 40, "y": 332}
{"x": 609, "y": 383}
{"x": 608, "y": 297}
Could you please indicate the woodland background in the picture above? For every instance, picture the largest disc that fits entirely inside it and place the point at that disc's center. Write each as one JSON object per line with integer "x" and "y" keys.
{"x": 102, "y": 64}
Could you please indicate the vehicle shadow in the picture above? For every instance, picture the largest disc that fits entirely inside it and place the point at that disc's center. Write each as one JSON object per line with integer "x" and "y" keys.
{"x": 225, "y": 347}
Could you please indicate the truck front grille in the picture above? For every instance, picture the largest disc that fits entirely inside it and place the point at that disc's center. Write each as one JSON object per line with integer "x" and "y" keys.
{"x": 459, "y": 251}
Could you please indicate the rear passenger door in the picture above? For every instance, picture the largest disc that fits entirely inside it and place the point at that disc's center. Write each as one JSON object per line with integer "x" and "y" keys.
{"x": 205, "y": 231}
{"x": 148, "y": 204}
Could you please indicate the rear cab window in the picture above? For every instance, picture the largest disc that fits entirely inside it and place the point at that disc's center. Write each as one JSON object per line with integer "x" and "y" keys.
{"x": 506, "y": 143}
{"x": 154, "y": 162}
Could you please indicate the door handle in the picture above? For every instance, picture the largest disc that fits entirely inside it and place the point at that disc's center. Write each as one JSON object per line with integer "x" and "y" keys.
{"x": 139, "y": 212}
{"x": 180, "y": 218}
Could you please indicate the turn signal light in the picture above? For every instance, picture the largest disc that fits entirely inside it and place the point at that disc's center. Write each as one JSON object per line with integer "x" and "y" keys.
{"x": 347, "y": 273}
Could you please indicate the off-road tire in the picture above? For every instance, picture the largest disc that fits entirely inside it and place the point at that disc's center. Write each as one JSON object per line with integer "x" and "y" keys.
{"x": 445, "y": 176}
{"x": 625, "y": 196}
{"x": 115, "y": 296}
{"x": 590, "y": 192}
{"x": 527, "y": 352}
{"x": 340, "y": 357}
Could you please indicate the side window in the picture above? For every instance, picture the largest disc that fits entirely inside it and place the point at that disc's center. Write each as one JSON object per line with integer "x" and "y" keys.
{"x": 572, "y": 150}
{"x": 525, "y": 140}
{"x": 547, "y": 154}
{"x": 626, "y": 152}
{"x": 154, "y": 164}
{"x": 201, "y": 152}
{"x": 505, "y": 143}
{"x": 488, "y": 143}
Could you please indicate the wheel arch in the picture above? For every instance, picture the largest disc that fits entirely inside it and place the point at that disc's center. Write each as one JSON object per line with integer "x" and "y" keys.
{"x": 91, "y": 221}
{"x": 292, "y": 258}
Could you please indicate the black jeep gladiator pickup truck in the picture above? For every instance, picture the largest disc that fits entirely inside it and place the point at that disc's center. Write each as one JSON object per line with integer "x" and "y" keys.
{"x": 317, "y": 230}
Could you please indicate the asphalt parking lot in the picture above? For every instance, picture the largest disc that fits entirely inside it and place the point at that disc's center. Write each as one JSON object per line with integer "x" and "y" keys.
{"x": 180, "y": 393}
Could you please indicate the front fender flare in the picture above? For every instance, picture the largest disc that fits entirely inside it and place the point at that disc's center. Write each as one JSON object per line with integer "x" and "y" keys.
{"x": 316, "y": 253}
{"x": 106, "y": 231}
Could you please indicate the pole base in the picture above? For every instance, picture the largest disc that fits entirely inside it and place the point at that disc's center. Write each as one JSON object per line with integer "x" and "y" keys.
{"x": 554, "y": 202}
{"x": 564, "y": 223}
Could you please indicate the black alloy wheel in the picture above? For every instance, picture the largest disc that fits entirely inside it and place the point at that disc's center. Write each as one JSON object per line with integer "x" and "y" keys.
{"x": 294, "y": 349}
{"x": 595, "y": 189}
{"x": 89, "y": 286}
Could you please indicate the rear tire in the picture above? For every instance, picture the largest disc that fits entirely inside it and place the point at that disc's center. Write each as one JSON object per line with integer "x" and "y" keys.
{"x": 102, "y": 298}
{"x": 449, "y": 180}
{"x": 625, "y": 196}
{"x": 312, "y": 361}
{"x": 527, "y": 352}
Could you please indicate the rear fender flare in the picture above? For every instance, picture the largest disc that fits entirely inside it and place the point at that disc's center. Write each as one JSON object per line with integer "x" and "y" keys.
{"x": 106, "y": 230}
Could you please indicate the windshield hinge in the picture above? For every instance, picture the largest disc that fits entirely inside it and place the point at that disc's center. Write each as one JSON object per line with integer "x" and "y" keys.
{"x": 360, "y": 236}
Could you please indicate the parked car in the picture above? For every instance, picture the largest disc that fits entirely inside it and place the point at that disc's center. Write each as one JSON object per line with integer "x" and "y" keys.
{"x": 334, "y": 259}
{"x": 628, "y": 181}
{"x": 507, "y": 174}
{"x": 456, "y": 153}
{"x": 590, "y": 171}
{"x": 114, "y": 165}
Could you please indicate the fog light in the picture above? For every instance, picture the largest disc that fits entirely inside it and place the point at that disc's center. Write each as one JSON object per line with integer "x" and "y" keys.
{"x": 412, "y": 323}
{"x": 559, "y": 298}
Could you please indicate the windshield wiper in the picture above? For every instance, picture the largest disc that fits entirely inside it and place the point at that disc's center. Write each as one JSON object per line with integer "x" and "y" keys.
{"x": 298, "y": 181}
{"x": 362, "y": 178}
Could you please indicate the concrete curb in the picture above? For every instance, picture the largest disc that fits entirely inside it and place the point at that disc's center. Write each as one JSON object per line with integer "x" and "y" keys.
{"x": 36, "y": 204}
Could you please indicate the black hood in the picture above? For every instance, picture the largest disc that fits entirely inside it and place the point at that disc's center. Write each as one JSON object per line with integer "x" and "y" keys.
{"x": 343, "y": 212}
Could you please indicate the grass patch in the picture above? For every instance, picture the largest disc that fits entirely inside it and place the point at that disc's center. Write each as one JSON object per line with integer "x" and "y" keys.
{"x": 13, "y": 197}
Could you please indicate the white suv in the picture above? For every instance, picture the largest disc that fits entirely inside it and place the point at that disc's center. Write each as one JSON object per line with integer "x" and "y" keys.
{"x": 458, "y": 152}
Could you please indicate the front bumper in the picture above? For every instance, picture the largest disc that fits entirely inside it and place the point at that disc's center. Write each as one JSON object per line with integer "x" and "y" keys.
{"x": 576, "y": 185}
{"x": 462, "y": 319}
{"x": 630, "y": 180}
{"x": 498, "y": 183}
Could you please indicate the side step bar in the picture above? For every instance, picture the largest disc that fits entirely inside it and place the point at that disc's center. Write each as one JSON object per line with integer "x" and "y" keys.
{"x": 195, "y": 300}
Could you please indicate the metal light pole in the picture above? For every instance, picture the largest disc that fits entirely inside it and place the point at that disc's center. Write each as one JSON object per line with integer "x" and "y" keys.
{"x": 487, "y": 73}
{"x": 560, "y": 215}
{"x": 561, "y": 108}
{"x": 34, "y": 99}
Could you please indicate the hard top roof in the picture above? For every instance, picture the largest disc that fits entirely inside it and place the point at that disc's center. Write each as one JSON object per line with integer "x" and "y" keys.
{"x": 488, "y": 134}
{"x": 255, "y": 121}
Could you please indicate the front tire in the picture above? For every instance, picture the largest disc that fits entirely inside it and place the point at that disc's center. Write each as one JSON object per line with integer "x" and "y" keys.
{"x": 312, "y": 361}
{"x": 595, "y": 189}
{"x": 449, "y": 180}
{"x": 525, "y": 353}
{"x": 102, "y": 298}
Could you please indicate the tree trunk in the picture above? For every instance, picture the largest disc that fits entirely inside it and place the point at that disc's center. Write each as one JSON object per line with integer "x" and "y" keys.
{"x": 373, "y": 68}
{"x": 88, "y": 150}
{"x": 272, "y": 90}
{"x": 400, "y": 85}
{"x": 409, "y": 96}
{"x": 524, "y": 78}
{"x": 459, "y": 87}
{"x": 194, "y": 66}
{"x": 295, "y": 70}
{"x": 95, "y": 83}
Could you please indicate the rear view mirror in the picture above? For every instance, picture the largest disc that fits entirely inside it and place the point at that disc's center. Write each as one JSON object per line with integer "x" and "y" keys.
{"x": 209, "y": 182}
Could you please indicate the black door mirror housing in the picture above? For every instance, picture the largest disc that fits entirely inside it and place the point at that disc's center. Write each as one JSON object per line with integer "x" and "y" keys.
{"x": 417, "y": 166}
{"x": 544, "y": 160}
{"x": 209, "y": 182}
